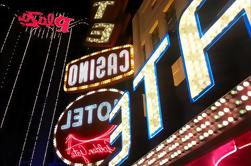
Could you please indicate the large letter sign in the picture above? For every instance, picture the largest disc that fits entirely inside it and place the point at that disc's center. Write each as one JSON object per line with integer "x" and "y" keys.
{"x": 123, "y": 129}
{"x": 194, "y": 45}
{"x": 82, "y": 133}
{"x": 195, "y": 58}
{"x": 149, "y": 75}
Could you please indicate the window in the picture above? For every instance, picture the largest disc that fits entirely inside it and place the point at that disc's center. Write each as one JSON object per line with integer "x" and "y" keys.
{"x": 178, "y": 72}
{"x": 143, "y": 50}
{"x": 155, "y": 37}
{"x": 153, "y": 3}
{"x": 171, "y": 18}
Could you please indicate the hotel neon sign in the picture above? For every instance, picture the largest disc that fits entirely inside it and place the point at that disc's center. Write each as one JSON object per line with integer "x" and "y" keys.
{"x": 194, "y": 45}
{"x": 82, "y": 133}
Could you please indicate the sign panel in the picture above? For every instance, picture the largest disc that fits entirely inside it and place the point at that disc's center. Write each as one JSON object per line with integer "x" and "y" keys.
{"x": 82, "y": 133}
{"x": 99, "y": 69}
{"x": 213, "y": 100}
{"x": 36, "y": 19}
{"x": 108, "y": 19}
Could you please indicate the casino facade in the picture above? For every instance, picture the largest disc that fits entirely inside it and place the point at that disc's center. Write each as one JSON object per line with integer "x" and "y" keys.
{"x": 163, "y": 82}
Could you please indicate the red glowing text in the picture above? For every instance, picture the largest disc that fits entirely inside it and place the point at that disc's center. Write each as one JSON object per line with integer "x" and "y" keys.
{"x": 38, "y": 19}
{"x": 91, "y": 149}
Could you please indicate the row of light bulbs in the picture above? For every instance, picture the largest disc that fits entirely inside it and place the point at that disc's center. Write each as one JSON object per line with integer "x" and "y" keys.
{"x": 228, "y": 110}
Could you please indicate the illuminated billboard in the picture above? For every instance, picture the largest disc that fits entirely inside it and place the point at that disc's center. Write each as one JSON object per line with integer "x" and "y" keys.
{"x": 82, "y": 133}
{"x": 37, "y": 19}
{"x": 99, "y": 69}
{"x": 161, "y": 123}
{"x": 108, "y": 19}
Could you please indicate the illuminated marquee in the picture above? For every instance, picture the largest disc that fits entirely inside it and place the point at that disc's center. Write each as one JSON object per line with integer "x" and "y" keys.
{"x": 82, "y": 133}
{"x": 198, "y": 70}
{"x": 37, "y": 19}
{"x": 148, "y": 74}
{"x": 99, "y": 69}
{"x": 106, "y": 24}
{"x": 194, "y": 45}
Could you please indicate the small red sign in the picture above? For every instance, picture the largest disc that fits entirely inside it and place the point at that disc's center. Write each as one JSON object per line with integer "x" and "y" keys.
{"x": 38, "y": 19}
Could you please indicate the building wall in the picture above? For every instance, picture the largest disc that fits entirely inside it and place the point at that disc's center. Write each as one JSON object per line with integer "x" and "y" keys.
{"x": 153, "y": 14}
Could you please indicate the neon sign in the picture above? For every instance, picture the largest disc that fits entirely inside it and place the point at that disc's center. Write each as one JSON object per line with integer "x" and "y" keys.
{"x": 225, "y": 154}
{"x": 107, "y": 24}
{"x": 88, "y": 149}
{"x": 193, "y": 45}
{"x": 82, "y": 133}
{"x": 196, "y": 63}
{"x": 148, "y": 74}
{"x": 123, "y": 129}
{"x": 38, "y": 19}
{"x": 99, "y": 69}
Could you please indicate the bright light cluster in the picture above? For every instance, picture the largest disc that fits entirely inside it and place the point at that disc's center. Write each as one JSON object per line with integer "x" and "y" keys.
{"x": 103, "y": 82}
{"x": 195, "y": 43}
{"x": 101, "y": 8}
{"x": 60, "y": 117}
{"x": 148, "y": 73}
{"x": 229, "y": 110}
{"x": 104, "y": 30}
{"x": 124, "y": 129}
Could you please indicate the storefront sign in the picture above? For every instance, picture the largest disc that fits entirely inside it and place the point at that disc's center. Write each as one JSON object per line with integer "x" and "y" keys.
{"x": 99, "y": 69}
{"x": 107, "y": 23}
{"x": 82, "y": 134}
{"x": 37, "y": 19}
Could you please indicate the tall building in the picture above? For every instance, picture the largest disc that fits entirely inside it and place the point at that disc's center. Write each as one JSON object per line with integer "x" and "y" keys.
{"x": 32, "y": 69}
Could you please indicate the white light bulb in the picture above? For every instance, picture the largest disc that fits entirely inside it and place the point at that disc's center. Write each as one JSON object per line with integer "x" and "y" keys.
{"x": 225, "y": 123}
{"x": 198, "y": 129}
{"x": 221, "y": 113}
{"x": 217, "y": 103}
{"x": 239, "y": 88}
{"x": 244, "y": 98}
{"x": 248, "y": 107}
{"x": 222, "y": 100}
{"x": 210, "y": 132}
{"x": 230, "y": 119}
{"x": 207, "y": 123}
{"x": 204, "y": 115}
{"x": 226, "y": 110}
{"x": 246, "y": 84}
{"x": 213, "y": 108}
{"x": 206, "y": 134}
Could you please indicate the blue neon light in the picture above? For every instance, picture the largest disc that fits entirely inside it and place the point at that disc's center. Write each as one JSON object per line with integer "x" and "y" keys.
{"x": 242, "y": 14}
{"x": 120, "y": 135}
{"x": 166, "y": 37}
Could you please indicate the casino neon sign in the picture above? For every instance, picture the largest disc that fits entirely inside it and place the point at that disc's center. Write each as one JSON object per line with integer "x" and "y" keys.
{"x": 194, "y": 45}
{"x": 99, "y": 69}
